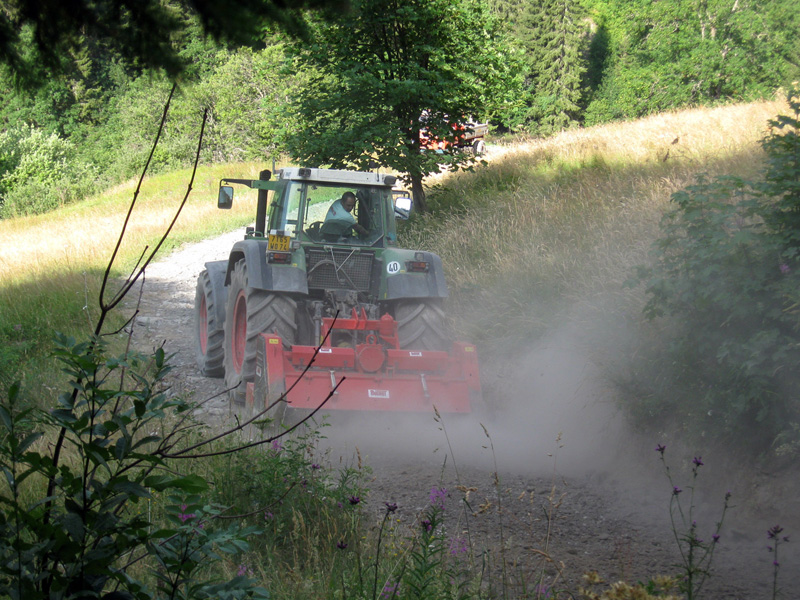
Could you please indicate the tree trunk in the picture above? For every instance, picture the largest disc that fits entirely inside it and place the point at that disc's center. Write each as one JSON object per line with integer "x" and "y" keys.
{"x": 418, "y": 193}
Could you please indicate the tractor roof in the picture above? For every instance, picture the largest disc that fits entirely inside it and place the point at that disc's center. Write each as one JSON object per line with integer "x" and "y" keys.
{"x": 336, "y": 176}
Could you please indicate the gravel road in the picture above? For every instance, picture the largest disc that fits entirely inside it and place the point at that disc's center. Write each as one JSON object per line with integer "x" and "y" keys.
{"x": 557, "y": 484}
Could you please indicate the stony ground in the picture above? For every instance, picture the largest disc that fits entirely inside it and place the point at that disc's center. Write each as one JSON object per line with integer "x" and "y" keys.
{"x": 549, "y": 482}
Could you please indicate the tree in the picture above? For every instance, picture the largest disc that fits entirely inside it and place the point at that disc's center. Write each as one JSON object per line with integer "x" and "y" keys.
{"x": 554, "y": 41}
{"x": 389, "y": 69}
{"x": 146, "y": 32}
{"x": 664, "y": 55}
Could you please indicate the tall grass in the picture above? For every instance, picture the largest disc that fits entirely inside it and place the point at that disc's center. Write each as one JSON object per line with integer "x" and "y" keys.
{"x": 555, "y": 224}
{"x": 51, "y": 265}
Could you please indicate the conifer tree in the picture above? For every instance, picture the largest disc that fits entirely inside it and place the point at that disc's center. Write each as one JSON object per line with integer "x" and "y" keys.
{"x": 555, "y": 42}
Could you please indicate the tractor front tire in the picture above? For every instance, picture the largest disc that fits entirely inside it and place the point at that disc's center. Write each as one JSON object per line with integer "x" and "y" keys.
{"x": 209, "y": 332}
{"x": 421, "y": 325}
{"x": 249, "y": 313}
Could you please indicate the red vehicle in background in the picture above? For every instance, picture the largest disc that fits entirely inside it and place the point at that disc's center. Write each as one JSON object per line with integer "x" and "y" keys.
{"x": 469, "y": 135}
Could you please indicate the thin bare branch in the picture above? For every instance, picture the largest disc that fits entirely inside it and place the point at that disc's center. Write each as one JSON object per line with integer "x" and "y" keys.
{"x": 127, "y": 286}
{"x": 104, "y": 309}
{"x": 282, "y": 398}
{"x": 259, "y": 442}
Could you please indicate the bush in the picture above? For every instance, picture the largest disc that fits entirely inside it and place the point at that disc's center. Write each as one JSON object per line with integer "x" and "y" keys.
{"x": 71, "y": 524}
{"x": 727, "y": 269}
{"x": 38, "y": 172}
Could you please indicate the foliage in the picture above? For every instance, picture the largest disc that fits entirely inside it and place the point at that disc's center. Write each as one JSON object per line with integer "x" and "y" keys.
{"x": 653, "y": 56}
{"x": 776, "y": 541}
{"x": 386, "y": 71}
{"x": 71, "y": 519}
{"x": 149, "y": 33}
{"x": 554, "y": 37}
{"x": 697, "y": 554}
{"x": 727, "y": 269}
{"x": 248, "y": 94}
{"x": 37, "y": 173}
{"x": 613, "y": 59}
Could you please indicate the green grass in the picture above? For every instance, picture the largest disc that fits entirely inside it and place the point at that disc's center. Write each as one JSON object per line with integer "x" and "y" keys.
{"x": 559, "y": 223}
{"x": 546, "y": 226}
{"x": 53, "y": 264}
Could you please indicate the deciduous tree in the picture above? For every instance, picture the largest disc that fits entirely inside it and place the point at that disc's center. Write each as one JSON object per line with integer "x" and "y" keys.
{"x": 143, "y": 31}
{"x": 389, "y": 69}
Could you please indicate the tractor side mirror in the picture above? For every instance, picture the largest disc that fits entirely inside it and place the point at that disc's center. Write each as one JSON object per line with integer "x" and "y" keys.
{"x": 402, "y": 207}
{"x": 225, "y": 199}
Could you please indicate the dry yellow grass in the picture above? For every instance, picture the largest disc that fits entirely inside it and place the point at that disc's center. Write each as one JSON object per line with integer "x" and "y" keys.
{"x": 689, "y": 135}
{"x": 551, "y": 224}
{"x": 82, "y": 236}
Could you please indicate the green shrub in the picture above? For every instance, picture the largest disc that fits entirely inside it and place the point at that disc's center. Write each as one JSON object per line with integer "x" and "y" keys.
{"x": 727, "y": 271}
{"x": 72, "y": 524}
{"x": 38, "y": 172}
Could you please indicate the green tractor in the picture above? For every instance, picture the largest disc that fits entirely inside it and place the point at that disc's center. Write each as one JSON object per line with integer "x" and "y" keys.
{"x": 318, "y": 290}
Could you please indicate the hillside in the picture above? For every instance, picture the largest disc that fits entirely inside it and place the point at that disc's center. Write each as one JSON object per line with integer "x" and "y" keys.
{"x": 537, "y": 245}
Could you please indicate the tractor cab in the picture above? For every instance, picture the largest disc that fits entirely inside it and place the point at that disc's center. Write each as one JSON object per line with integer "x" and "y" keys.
{"x": 308, "y": 206}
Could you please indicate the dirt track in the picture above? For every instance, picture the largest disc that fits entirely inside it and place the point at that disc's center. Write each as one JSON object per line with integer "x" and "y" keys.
{"x": 596, "y": 502}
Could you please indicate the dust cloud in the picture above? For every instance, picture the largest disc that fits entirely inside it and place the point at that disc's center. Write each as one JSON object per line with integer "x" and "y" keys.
{"x": 549, "y": 409}
{"x": 553, "y": 411}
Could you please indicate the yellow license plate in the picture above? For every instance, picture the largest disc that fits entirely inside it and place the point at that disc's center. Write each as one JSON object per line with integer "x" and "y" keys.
{"x": 278, "y": 243}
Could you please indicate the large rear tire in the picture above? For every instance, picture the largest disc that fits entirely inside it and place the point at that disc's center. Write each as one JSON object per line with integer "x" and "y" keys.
{"x": 250, "y": 312}
{"x": 421, "y": 325}
{"x": 209, "y": 332}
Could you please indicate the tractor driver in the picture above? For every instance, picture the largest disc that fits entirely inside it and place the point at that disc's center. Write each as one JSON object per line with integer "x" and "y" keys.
{"x": 340, "y": 214}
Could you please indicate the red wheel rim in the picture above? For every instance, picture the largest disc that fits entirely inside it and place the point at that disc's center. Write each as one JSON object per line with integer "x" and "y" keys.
{"x": 203, "y": 326}
{"x": 239, "y": 331}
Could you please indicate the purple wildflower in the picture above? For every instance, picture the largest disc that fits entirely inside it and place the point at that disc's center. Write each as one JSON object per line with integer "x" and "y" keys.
{"x": 774, "y": 531}
{"x": 277, "y": 446}
{"x": 698, "y": 461}
{"x": 437, "y": 496}
{"x": 458, "y": 546}
{"x": 242, "y": 570}
{"x": 390, "y": 507}
{"x": 426, "y": 525}
{"x": 184, "y": 516}
{"x": 784, "y": 269}
{"x": 715, "y": 537}
{"x": 341, "y": 545}
{"x": 315, "y": 466}
{"x": 660, "y": 449}
{"x": 389, "y": 590}
{"x": 354, "y": 500}
{"x": 268, "y": 516}
{"x": 676, "y": 490}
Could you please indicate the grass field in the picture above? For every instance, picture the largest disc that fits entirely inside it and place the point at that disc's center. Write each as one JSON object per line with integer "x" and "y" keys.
{"x": 52, "y": 265}
{"x": 546, "y": 224}
{"x": 551, "y": 224}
